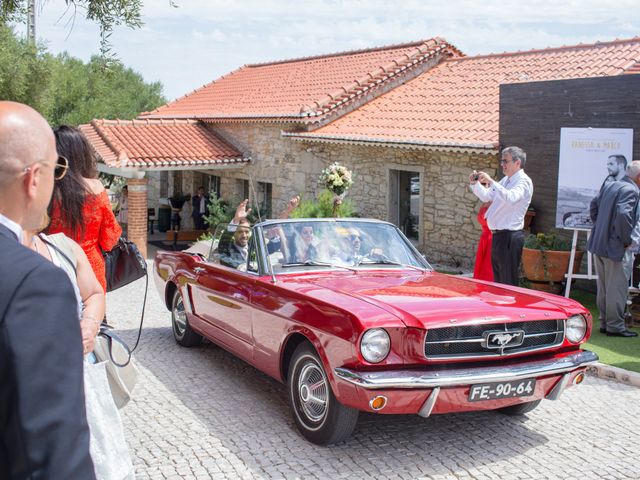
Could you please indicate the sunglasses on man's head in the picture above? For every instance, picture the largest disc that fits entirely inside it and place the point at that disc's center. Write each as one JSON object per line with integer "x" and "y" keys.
{"x": 59, "y": 171}
{"x": 61, "y": 168}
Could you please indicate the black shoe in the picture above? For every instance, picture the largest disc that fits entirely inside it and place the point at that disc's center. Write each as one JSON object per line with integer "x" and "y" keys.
{"x": 624, "y": 333}
{"x": 603, "y": 330}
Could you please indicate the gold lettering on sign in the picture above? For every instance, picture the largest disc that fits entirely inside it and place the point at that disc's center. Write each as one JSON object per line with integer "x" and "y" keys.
{"x": 581, "y": 144}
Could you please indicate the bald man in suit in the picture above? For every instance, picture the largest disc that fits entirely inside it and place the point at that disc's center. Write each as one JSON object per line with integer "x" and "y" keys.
{"x": 43, "y": 426}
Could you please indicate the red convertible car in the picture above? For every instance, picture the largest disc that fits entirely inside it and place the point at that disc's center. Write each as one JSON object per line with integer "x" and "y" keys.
{"x": 351, "y": 317}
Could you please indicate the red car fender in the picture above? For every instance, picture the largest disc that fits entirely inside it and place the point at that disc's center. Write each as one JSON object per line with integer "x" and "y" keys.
{"x": 345, "y": 392}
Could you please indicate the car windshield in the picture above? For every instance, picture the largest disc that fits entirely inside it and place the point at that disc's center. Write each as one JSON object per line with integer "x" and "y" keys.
{"x": 346, "y": 244}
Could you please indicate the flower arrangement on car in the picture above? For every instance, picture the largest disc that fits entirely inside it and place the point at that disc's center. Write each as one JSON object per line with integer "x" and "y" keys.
{"x": 337, "y": 179}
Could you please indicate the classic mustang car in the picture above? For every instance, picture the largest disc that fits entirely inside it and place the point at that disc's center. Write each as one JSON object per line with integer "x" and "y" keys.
{"x": 351, "y": 317}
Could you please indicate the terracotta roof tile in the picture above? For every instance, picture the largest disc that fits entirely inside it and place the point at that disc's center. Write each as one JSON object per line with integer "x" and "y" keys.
{"x": 457, "y": 102}
{"x": 303, "y": 87}
{"x": 158, "y": 144}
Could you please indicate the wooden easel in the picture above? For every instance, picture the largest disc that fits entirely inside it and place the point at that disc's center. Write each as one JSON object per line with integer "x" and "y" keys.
{"x": 570, "y": 275}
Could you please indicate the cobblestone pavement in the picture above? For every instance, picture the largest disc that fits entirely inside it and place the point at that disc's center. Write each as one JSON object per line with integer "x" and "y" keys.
{"x": 201, "y": 413}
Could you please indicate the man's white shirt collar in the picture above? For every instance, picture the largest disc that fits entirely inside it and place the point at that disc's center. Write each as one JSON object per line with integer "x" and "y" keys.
{"x": 13, "y": 226}
{"x": 514, "y": 176}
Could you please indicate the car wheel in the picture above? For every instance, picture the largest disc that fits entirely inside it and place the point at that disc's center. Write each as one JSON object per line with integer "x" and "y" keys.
{"x": 182, "y": 332}
{"x": 519, "y": 409}
{"x": 318, "y": 415}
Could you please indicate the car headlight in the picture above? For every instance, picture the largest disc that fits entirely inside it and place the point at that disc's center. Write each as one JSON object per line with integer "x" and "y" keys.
{"x": 576, "y": 328}
{"x": 375, "y": 345}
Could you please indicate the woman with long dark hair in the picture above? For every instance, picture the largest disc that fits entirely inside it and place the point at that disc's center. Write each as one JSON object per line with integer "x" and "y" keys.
{"x": 81, "y": 208}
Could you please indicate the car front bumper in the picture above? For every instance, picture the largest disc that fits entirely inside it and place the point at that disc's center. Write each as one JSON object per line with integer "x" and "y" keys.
{"x": 446, "y": 390}
{"x": 466, "y": 376}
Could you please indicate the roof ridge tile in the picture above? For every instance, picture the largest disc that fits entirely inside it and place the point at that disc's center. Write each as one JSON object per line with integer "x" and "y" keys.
{"x": 381, "y": 73}
{"x": 343, "y": 53}
{"x": 579, "y": 46}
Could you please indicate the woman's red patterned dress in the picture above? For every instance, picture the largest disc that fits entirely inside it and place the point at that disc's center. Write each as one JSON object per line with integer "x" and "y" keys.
{"x": 483, "y": 269}
{"x": 101, "y": 231}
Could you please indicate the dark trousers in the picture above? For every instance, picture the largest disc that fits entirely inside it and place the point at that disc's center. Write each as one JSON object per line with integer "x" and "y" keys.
{"x": 175, "y": 221}
{"x": 506, "y": 253}
{"x": 198, "y": 221}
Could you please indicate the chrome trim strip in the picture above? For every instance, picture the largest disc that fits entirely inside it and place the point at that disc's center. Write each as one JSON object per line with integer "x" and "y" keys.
{"x": 462, "y": 340}
{"x": 542, "y": 334}
{"x": 427, "y": 406}
{"x": 557, "y": 390}
{"x": 466, "y": 376}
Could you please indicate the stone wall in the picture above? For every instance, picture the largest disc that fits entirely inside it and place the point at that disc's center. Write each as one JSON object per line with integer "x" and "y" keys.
{"x": 448, "y": 209}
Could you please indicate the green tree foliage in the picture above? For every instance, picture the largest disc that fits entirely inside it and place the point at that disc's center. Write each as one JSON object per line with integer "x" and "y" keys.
{"x": 322, "y": 207}
{"x": 220, "y": 211}
{"x": 83, "y": 92}
{"x": 106, "y": 13}
{"x": 25, "y": 71}
{"x": 68, "y": 91}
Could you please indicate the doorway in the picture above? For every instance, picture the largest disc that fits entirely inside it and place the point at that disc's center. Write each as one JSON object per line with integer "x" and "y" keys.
{"x": 405, "y": 200}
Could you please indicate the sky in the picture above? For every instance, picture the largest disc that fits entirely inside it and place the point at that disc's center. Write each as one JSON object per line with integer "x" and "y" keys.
{"x": 201, "y": 40}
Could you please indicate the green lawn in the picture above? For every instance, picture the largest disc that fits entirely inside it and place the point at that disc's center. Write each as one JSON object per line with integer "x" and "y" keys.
{"x": 616, "y": 351}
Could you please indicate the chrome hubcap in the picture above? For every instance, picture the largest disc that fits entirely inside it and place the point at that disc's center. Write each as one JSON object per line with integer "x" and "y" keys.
{"x": 179, "y": 317}
{"x": 313, "y": 391}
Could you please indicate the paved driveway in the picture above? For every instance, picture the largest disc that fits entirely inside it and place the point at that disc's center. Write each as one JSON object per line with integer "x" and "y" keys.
{"x": 201, "y": 413}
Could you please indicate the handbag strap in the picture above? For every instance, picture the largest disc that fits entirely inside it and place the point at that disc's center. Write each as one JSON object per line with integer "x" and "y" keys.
{"x": 110, "y": 337}
{"x": 106, "y": 330}
{"x": 144, "y": 303}
{"x": 62, "y": 254}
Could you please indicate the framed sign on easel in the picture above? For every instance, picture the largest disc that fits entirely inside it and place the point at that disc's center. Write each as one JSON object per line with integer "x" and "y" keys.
{"x": 589, "y": 157}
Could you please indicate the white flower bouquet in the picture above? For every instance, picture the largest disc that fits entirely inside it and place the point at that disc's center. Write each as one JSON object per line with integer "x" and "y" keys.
{"x": 336, "y": 178}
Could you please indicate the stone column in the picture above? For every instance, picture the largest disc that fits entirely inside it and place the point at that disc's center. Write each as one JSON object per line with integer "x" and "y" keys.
{"x": 137, "y": 214}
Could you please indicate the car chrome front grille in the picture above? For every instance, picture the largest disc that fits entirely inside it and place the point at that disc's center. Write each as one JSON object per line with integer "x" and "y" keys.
{"x": 493, "y": 340}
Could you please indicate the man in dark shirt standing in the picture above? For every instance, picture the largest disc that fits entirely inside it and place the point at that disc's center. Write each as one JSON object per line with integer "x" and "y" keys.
{"x": 43, "y": 425}
{"x": 200, "y": 206}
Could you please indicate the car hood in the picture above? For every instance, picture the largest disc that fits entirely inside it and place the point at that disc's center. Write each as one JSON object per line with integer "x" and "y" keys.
{"x": 430, "y": 300}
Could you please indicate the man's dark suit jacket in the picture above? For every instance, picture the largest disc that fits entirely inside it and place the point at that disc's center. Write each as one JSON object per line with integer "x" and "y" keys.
{"x": 43, "y": 425}
{"x": 614, "y": 214}
{"x": 195, "y": 204}
{"x": 233, "y": 257}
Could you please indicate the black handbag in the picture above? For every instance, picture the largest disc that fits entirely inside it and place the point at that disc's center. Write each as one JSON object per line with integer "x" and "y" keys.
{"x": 123, "y": 264}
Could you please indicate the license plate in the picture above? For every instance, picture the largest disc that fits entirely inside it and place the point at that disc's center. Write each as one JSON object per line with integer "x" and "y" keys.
{"x": 494, "y": 391}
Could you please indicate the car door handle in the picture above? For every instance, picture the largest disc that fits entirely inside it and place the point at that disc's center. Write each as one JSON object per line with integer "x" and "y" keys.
{"x": 198, "y": 269}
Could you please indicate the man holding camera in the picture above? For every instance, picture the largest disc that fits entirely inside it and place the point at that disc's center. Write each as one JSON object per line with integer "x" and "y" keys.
{"x": 510, "y": 199}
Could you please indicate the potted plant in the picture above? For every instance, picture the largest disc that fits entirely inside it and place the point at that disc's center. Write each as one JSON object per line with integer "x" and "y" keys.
{"x": 545, "y": 261}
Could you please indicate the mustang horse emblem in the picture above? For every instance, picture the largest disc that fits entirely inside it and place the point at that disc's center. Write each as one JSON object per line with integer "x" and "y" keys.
{"x": 504, "y": 339}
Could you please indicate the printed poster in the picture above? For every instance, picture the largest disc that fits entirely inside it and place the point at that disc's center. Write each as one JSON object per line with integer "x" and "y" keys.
{"x": 587, "y": 156}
